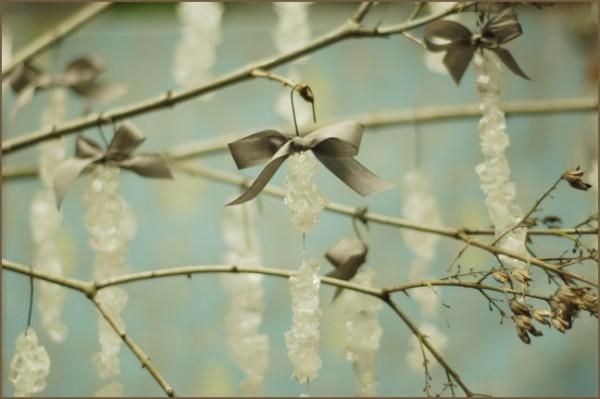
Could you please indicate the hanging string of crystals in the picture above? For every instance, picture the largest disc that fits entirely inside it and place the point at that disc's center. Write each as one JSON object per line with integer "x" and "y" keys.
{"x": 292, "y": 32}
{"x": 200, "y": 36}
{"x": 494, "y": 171}
{"x": 306, "y": 204}
{"x": 249, "y": 347}
{"x": 111, "y": 225}
{"x": 30, "y": 366}
{"x": 45, "y": 220}
{"x": 363, "y": 332}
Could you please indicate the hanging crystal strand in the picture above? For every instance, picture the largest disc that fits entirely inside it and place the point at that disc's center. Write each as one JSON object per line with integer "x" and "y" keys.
{"x": 420, "y": 206}
{"x": 45, "y": 219}
{"x": 30, "y": 366}
{"x": 292, "y": 32}
{"x": 200, "y": 36}
{"x": 302, "y": 340}
{"x": 363, "y": 332}
{"x": 494, "y": 171}
{"x": 249, "y": 347}
{"x": 111, "y": 224}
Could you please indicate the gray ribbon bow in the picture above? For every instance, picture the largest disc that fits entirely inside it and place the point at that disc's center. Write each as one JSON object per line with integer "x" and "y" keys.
{"x": 120, "y": 153}
{"x": 80, "y": 75}
{"x": 462, "y": 43}
{"x": 346, "y": 256}
{"x": 334, "y": 146}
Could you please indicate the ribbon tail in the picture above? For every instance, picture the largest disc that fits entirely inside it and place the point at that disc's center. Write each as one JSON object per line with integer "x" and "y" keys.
{"x": 148, "y": 165}
{"x": 261, "y": 181}
{"x": 355, "y": 175}
{"x": 66, "y": 174}
{"x": 510, "y": 62}
{"x": 23, "y": 98}
{"x": 337, "y": 293}
{"x": 457, "y": 60}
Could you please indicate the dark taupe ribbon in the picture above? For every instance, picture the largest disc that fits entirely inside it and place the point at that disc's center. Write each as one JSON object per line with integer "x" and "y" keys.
{"x": 334, "y": 145}
{"x": 120, "y": 153}
{"x": 80, "y": 75}
{"x": 346, "y": 256}
{"x": 460, "y": 43}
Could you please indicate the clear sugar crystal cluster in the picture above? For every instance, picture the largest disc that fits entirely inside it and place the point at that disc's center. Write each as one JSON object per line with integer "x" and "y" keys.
{"x": 302, "y": 196}
{"x": 111, "y": 225}
{"x": 363, "y": 332}
{"x": 45, "y": 220}
{"x": 494, "y": 171}
{"x": 248, "y": 346}
{"x": 420, "y": 207}
{"x": 302, "y": 340}
{"x": 30, "y": 366}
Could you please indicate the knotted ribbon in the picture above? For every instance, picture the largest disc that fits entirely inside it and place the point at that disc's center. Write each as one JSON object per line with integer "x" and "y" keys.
{"x": 334, "y": 146}
{"x": 346, "y": 256}
{"x": 80, "y": 75}
{"x": 120, "y": 153}
{"x": 460, "y": 43}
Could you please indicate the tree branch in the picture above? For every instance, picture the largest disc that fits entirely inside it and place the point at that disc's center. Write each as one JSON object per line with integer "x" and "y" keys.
{"x": 135, "y": 348}
{"x": 169, "y": 99}
{"x": 54, "y": 35}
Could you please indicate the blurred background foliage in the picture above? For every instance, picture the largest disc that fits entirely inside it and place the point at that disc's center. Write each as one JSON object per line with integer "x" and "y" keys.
{"x": 180, "y": 321}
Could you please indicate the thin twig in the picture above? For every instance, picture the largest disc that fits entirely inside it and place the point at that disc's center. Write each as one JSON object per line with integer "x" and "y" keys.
{"x": 169, "y": 99}
{"x": 135, "y": 348}
{"x": 413, "y": 328}
{"x": 530, "y": 212}
{"x": 54, "y": 35}
{"x": 259, "y": 73}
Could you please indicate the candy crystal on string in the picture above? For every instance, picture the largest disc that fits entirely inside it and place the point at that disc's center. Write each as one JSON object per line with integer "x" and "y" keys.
{"x": 45, "y": 221}
{"x": 111, "y": 225}
{"x": 302, "y": 196}
{"x": 302, "y": 339}
{"x": 494, "y": 171}
{"x": 363, "y": 332}
{"x": 249, "y": 347}
{"x": 30, "y": 366}
{"x": 114, "y": 389}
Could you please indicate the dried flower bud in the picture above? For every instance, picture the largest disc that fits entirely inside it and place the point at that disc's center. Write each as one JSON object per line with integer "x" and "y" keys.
{"x": 519, "y": 308}
{"x": 501, "y": 276}
{"x": 541, "y": 316}
{"x": 24, "y": 76}
{"x": 305, "y": 92}
{"x": 573, "y": 177}
{"x": 560, "y": 324}
{"x": 521, "y": 275}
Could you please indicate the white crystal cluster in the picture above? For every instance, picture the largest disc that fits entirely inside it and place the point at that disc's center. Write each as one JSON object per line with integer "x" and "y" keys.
{"x": 363, "y": 332}
{"x": 30, "y": 365}
{"x": 302, "y": 196}
{"x": 111, "y": 225}
{"x": 420, "y": 207}
{"x": 436, "y": 338}
{"x": 292, "y": 32}
{"x": 45, "y": 220}
{"x": 494, "y": 171}
{"x": 249, "y": 347}
{"x": 302, "y": 340}
{"x": 196, "y": 52}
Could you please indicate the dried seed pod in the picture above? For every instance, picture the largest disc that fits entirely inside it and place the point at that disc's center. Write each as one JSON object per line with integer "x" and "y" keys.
{"x": 521, "y": 275}
{"x": 501, "y": 276}
{"x": 560, "y": 324}
{"x": 519, "y": 308}
{"x": 574, "y": 178}
{"x": 542, "y": 316}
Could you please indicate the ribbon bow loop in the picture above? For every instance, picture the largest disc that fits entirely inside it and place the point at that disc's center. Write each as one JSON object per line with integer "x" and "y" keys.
{"x": 334, "y": 146}
{"x": 460, "y": 43}
{"x": 120, "y": 153}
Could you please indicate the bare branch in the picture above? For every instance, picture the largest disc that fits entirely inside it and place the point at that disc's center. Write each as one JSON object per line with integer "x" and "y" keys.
{"x": 169, "y": 99}
{"x": 54, "y": 35}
